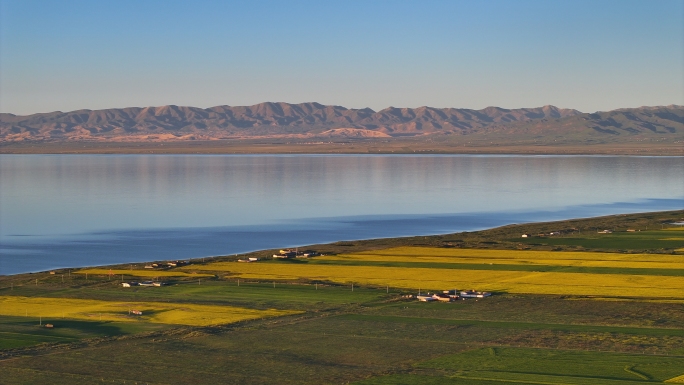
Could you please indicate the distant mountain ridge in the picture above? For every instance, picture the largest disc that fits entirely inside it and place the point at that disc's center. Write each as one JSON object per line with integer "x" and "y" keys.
{"x": 314, "y": 120}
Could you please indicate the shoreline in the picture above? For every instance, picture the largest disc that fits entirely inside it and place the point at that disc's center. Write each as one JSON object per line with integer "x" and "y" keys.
{"x": 349, "y": 147}
{"x": 488, "y": 238}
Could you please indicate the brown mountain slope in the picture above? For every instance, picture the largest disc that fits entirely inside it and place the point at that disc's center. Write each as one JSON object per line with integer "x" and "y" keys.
{"x": 664, "y": 123}
{"x": 309, "y": 120}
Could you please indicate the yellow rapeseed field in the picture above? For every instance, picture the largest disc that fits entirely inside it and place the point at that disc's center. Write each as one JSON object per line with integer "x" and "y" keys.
{"x": 155, "y": 312}
{"x": 515, "y": 257}
{"x": 611, "y": 285}
{"x": 140, "y": 273}
{"x": 676, "y": 380}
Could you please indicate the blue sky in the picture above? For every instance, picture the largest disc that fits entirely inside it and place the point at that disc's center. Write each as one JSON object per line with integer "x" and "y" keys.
{"x": 589, "y": 55}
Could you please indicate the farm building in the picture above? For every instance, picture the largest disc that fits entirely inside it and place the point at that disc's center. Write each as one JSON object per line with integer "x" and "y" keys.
{"x": 290, "y": 254}
{"x": 452, "y": 295}
{"x": 475, "y": 294}
{"x": 442, "y": 297}
{"x": 425, "y": 298}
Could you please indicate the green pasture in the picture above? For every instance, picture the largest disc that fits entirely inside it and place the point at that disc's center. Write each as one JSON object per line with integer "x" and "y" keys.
{"x": 342, "y": 349}
{"x": 529, "y": 309}
{"x": 589, "y": 239}
{"x": 519, "y": 325}
{"x": 500, "y": 365}
{"x": 564, "y": 365}
{"x": 17, "y": 332}
{"x": 256, "y": 295}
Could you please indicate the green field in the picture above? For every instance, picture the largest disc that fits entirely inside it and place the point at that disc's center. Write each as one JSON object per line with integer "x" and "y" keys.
{"x": 369, "y": 340}
{"x": 331, "y": 334}
{"x": 647, "y": 239}
{"x": 497, "y": 365}
{"x": 17, "y": 332}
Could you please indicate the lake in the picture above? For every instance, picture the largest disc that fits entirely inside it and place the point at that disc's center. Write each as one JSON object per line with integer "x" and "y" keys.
{"x": 83, "y": 210}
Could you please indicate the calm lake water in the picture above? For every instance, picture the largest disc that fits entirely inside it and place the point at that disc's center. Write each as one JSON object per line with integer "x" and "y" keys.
{"x": 82, "y": 210}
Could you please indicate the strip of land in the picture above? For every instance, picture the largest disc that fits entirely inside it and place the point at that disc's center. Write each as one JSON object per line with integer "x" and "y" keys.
{"x": 345, "y": 147}
{"x": 570, "y": 305}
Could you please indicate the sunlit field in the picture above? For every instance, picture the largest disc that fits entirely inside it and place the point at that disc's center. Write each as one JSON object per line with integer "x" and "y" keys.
{"x": 676, "y": 380}
{"x": 565, "y": 258}
{"x": 607, "y": 274}
{"x": 154, "y": 312}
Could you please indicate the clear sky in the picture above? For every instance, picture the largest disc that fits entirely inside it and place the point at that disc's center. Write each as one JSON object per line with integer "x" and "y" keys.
{"x": 589, "y": 55}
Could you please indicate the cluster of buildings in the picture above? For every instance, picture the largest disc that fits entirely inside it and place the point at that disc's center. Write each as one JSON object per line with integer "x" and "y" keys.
{"x": 167, "y": 265}
{"x": 452, "y": 295}
{"x": 251, "y": 259}
{"x": 143, "y": 283}
{"x": 290, "y": 253}
{"x": 550, "y": 234}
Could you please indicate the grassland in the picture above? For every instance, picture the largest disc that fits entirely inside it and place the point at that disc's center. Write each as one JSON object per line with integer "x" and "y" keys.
{"x": 149, "y": 273}
{"x": 366, "y": 341}
{"x": 19, "y": 332}
{"x": 612, "y": 313}
{"x": 541, "y": 366}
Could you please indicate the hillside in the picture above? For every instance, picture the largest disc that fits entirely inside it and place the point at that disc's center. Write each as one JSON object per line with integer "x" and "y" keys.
{"x": 313, "y": 120}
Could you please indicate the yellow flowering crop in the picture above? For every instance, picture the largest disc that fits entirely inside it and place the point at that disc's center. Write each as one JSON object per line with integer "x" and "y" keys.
{"x": 515, "y": 257}
{"x": 155, "y": 312}
{"x": 618, "y": 285}
{"x": 676, "y": 380}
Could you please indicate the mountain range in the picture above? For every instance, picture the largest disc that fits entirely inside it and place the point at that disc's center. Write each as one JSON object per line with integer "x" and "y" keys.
{"x": 314, "y": 120}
